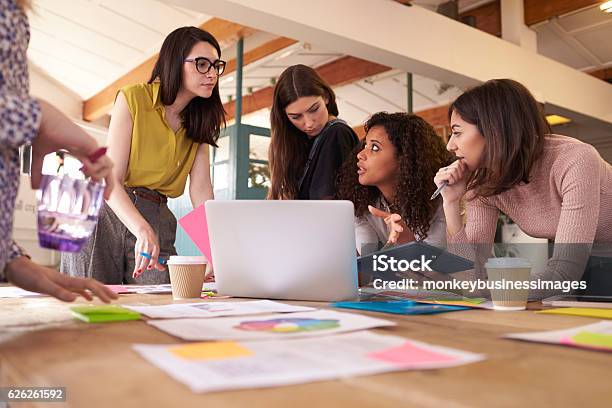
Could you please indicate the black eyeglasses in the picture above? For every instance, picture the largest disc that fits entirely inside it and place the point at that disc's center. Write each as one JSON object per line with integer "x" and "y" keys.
{"x": 203, "y": 65}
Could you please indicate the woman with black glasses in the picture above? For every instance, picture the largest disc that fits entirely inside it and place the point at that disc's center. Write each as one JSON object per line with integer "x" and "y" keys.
{"x": 158, "y": 135}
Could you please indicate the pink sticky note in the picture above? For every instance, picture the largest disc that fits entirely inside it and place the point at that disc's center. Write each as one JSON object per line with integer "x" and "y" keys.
{"x": 408, "y": 354}
{"x": 118, "y": 289}
{"x": 196, "y": 227}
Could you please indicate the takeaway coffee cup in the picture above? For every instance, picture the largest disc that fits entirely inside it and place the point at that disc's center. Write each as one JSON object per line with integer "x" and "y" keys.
{"x": 509, "y": 279}
{"x": 186, "y": 276}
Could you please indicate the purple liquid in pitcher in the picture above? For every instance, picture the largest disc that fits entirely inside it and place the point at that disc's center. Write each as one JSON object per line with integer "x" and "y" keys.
{"x": 63, "y": 232}
{"x": 64, "y": 244}
{"x": 67, "y": 212}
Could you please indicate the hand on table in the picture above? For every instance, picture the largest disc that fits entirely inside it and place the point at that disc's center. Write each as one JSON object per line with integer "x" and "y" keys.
{"x": 24, "y": 273}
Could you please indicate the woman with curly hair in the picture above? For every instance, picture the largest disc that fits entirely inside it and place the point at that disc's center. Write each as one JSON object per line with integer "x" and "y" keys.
{"x": 388, "y": 178}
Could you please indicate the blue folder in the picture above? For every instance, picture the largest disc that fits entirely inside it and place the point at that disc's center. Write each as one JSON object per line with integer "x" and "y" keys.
{"x": 406, "y": 307}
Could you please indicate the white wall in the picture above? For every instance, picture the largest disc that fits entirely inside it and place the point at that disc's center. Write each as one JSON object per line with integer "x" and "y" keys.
{"x": 44, "y": 87}
{"x": 601, "y": 140}
{"x": 589, "y": 130}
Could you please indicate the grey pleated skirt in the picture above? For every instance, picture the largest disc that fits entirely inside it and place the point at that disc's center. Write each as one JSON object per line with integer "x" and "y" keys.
{"x": 109, "y": 254}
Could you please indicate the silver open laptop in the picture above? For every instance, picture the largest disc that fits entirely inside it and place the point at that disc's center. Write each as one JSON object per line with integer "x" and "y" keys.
{"x": 300, "y": 250}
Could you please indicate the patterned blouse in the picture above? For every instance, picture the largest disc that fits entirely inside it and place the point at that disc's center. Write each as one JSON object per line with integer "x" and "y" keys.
{"x": 20, "y": 117}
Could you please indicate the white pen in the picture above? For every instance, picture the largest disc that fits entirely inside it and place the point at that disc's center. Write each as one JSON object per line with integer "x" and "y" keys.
{"x": 437, "y": 192}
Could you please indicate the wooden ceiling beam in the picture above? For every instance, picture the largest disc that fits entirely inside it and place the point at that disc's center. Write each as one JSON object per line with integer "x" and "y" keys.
{"x": 537, "y": 11}
{"x": 603, "y": 74}
{"x": 260, "y": 52}
{"x": 437, "y": 117}
{"x": 488, "y": 17}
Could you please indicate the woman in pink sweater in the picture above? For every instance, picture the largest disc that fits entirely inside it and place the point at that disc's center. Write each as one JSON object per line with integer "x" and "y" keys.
{"x": 551, "y": 186}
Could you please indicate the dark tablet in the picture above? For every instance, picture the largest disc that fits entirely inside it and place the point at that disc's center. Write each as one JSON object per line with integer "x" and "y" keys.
{"x": 417, "y": 256}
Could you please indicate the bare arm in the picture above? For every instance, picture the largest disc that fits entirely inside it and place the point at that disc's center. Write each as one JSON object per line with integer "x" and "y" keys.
{"x": 119, "y": 142}
{"x": 119, "y": 145}
{"x": 57, "y": 132}
{"x": 200, "y": 185}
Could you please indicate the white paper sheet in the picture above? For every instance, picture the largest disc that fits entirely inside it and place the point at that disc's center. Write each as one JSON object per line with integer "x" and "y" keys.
{"x": 566, "y": 337}
{"x": 266, "y": 327}
{"x": 276, "y": 363}
{"x": 15, "y": 292}
{"x": 164, "y": 288}
{"x": 149, "y": 289}
{"x": 216, "y": 309}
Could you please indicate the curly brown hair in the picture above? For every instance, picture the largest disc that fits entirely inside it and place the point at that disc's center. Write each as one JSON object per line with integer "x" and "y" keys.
{"x": 420, "y": 152}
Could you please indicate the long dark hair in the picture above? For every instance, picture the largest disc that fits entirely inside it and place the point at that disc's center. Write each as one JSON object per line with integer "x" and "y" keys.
{"x": 513, "y": 125}
{"x": 202, "y": 118}
{"x": 288, "y": 149}
{"x": 420, "y": 152}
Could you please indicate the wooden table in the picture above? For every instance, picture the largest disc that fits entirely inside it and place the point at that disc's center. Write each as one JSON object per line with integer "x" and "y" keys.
{"x": 42, "y": 345}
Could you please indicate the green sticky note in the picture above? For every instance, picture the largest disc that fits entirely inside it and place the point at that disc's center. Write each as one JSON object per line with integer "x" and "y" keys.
{"x": 599, "y": 340}
{"x": 103, "y": 314}
{"x": 475, "y": 301}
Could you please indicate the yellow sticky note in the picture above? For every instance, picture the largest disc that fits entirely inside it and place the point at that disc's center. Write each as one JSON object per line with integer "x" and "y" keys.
{"x": 453, "y": 303}
{"x": 211, "y": 350}
{"x": 591, "y": 339}
{"x": 578, "y": 311}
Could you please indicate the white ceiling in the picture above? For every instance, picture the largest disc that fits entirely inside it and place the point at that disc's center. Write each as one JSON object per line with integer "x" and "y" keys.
{"x": 356, "y": 101}
{"x": 88, "y": 44}
{"x": 388, "y": 92}
{"x": 582, "y": 40}
{"x": 260, "y": 74}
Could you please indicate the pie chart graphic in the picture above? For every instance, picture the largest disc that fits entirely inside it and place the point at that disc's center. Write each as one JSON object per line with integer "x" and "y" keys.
{"x": 288, "y": 325}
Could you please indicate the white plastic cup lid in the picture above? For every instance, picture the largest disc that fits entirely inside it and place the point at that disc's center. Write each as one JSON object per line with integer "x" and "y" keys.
{"x": 187, "y": 260}
{"x": 508, "y": 263}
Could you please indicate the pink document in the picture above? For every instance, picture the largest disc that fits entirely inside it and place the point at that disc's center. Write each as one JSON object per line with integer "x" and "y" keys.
{"x": 118, "y": 289}
{"x": 409, "y": 354}
{"x": 196, "y": 227}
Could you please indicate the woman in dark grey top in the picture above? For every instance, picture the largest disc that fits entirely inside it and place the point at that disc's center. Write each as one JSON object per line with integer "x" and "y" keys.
{"x": 309, "y": 143}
